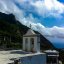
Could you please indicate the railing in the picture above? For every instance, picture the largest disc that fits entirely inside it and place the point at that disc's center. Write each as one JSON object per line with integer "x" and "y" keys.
{"x": 52, "y": 63}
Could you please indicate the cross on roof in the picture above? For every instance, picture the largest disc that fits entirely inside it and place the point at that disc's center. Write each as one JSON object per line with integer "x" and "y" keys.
{"x": 30, "y": 26}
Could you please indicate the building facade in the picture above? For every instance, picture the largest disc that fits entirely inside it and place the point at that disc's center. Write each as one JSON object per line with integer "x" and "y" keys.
{"x": 31, "y": 41}
{"x": 52, "y": 57}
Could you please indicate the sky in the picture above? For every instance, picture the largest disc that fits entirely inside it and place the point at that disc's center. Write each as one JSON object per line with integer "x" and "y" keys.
{"x": 45, "y": 16}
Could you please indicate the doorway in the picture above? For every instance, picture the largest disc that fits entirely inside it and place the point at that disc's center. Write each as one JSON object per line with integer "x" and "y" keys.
{"x": 32, "y": 44}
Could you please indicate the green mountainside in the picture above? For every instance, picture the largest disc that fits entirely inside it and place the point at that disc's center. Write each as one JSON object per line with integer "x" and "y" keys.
{"x": 11, "y": 32}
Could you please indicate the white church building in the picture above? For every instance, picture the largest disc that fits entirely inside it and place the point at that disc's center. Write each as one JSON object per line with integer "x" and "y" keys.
{"x": 31, "y": 41}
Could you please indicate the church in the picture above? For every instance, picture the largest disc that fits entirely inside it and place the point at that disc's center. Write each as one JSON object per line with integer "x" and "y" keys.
{"x": 33, "y": 42}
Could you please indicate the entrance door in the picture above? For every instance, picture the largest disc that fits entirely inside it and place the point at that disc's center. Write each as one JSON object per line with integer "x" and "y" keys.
{"x": 32, "y": 44}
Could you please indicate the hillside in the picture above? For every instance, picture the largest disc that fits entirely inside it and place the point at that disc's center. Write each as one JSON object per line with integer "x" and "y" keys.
{"x": 11, "y": 32}
{"x": 10, "y": 27}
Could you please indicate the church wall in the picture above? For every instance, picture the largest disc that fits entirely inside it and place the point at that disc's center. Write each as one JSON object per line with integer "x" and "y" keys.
{"x": 33, "y": 59}
{"x": 23, "y": 43}
{"x": 29, "y": 45}
{"x": 35, "y": 44}
{"x": 26, "y": 45}
{"x": 38, "y": 43}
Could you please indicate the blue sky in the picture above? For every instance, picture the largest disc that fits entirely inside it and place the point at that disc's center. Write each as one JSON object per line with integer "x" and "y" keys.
{"x": 62, "y": 1}
{"x": 45, "y": 16}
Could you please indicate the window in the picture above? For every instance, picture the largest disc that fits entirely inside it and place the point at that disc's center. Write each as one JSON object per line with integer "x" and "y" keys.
{"x": 32, "y": 40}
{"x": 51, "y": 60}
{"x": 32, "y": 44}
{"x": 26, "y": 43}
{"x": 26, "y": 40}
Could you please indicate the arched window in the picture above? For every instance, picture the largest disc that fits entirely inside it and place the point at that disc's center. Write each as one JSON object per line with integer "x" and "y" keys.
{"x": 32, "y": 40}
{"x": 32, "y": 44}
{"x": 26, "y": 40}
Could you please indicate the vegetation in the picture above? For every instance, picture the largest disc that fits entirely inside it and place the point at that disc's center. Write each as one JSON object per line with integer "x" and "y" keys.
{"x": 61, "y": 55}
{"x": 11, "y": 32}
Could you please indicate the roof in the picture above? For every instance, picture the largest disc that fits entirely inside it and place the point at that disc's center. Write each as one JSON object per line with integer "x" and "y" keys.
{"x": 51, "y": 51}
{"x": 31, "y": 32}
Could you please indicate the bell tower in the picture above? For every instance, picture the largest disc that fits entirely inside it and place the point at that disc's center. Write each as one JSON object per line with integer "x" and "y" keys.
{"x": 31, "y": 41}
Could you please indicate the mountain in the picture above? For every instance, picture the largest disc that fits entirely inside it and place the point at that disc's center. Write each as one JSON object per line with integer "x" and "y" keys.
{"x": 11, "y": 32}
{"x": 10, "y": 27}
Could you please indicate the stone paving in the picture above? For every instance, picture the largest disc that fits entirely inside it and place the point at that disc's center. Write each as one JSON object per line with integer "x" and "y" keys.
{"x": 8, "y": 56}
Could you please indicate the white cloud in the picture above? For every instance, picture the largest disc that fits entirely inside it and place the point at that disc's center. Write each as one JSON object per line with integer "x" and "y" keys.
{"x": 49, "y": 7}
{"x": 49, "y": 32}
{"x": 44, "y": 7}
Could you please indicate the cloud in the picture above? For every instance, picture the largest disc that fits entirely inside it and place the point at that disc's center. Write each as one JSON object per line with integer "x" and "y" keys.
{"x": 49, "y": 32}
{"x": 43, "y": 8}
{"x": 49, "y": 8}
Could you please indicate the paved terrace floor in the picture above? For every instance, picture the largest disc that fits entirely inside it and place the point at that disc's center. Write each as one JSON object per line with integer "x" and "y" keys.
{"x": 8, "y": 56}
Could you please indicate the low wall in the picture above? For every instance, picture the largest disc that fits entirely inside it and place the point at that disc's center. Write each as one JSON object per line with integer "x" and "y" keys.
{"x": 33, "y": 59}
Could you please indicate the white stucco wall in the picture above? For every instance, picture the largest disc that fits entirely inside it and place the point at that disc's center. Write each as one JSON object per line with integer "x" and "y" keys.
{"x": 34, "y": 59}
{"x": 31, "y": 34}
{"x": 23, "y": 46}
{"x": 36, "y": 44}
